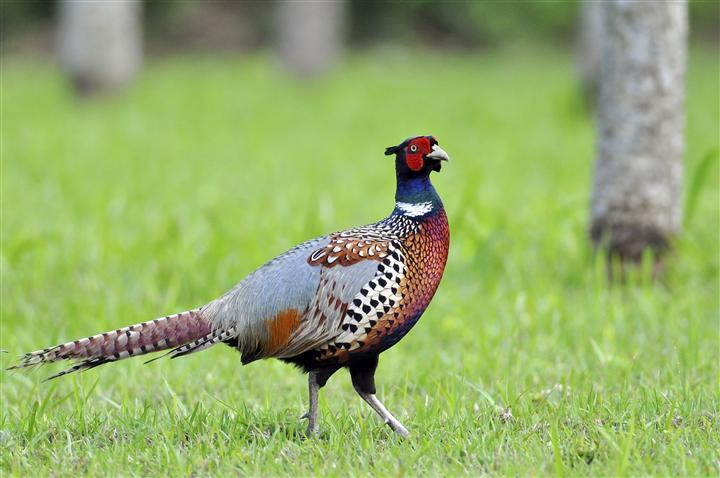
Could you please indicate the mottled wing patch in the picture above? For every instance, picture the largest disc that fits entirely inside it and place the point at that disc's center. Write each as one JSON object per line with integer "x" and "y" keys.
{"x": 344, "y": 251}
{"x": 366, "y": 242}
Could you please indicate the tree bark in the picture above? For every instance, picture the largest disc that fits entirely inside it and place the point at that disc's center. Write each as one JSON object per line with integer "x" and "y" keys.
{"x": 100, "y": 42}
{"x": 309, "y": 34}
{"x": 636, "y": 200}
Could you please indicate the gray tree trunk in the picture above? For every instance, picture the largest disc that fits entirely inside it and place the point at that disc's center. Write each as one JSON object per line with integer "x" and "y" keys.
{"x": 100, "y": 42}
{"x": 309, "y": 34}
{"x": 636, "y": 200}
{"x": 589, "y": 47}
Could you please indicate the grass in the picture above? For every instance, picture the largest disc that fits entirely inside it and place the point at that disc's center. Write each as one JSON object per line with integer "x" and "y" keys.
{"x": 526, "y": 363}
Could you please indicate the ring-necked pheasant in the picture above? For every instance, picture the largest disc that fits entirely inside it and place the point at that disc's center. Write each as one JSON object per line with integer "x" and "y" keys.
{"x": 331, "y": 302}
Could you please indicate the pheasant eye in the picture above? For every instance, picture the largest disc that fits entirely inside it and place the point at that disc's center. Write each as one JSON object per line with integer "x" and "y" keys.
{"x": 413, "y": 148}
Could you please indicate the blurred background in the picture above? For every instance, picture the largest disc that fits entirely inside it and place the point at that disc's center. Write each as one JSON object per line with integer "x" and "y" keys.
{"x": 182, "y": 26}
{"x": 153, "y": 153}
{"x": 621, "y": 62}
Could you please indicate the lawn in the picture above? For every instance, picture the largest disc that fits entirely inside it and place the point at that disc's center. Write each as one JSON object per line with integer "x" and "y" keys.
{"x": 527, "y": 362}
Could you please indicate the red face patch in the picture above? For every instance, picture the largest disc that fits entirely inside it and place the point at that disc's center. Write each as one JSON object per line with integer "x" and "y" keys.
{"x": 414, "y": 152}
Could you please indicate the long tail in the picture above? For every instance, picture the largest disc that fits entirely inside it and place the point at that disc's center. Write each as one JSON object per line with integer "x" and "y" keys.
{"x": 179, "y": 331}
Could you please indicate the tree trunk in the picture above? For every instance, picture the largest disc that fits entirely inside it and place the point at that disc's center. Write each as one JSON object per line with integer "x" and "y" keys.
{"x": 310, "y": 34}
{"x": 636, "y": 201}
{"x": 590, "y": 37}
{"x": 100, "y": 42}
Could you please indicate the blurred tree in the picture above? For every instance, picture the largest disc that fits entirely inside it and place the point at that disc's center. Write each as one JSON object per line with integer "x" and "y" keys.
{"x": 464, "y": 24}
{"x": 590, "y": 34}
{"x": 100, "y": 42}
{"x": 309, "y": 34}
{"x": 636, "y": 201}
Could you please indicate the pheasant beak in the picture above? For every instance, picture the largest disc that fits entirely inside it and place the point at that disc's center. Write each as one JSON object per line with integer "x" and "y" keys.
{"x": 438, "y": 153}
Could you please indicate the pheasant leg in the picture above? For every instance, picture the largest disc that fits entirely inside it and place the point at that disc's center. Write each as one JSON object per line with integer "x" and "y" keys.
{"x": 387, "y": 417}
{"x": 363, "y": 380}
{"x": 311, "y": 415}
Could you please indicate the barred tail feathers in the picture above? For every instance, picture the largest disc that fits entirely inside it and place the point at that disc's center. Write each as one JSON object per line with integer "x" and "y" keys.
{"x": 172, "y": 331}
{"x": 200, "y": 344}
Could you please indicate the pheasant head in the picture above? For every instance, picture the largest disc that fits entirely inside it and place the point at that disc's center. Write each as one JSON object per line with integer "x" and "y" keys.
{"x": 417, "y": 157}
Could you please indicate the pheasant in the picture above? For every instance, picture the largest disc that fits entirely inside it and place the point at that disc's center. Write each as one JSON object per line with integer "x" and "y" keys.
{"x": 331, "y": 302}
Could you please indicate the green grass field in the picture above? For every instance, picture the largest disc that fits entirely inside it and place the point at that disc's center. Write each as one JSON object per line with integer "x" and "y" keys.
{"x": 123, "y": 209}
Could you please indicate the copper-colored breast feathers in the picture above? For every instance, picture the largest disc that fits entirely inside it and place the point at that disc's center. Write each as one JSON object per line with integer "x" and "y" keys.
{"x": 425, "y": 255}
{"x": 390, "y": 304}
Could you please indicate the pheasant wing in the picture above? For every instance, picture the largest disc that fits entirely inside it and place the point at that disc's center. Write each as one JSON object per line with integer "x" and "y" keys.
{"x": 301, "y": 300}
